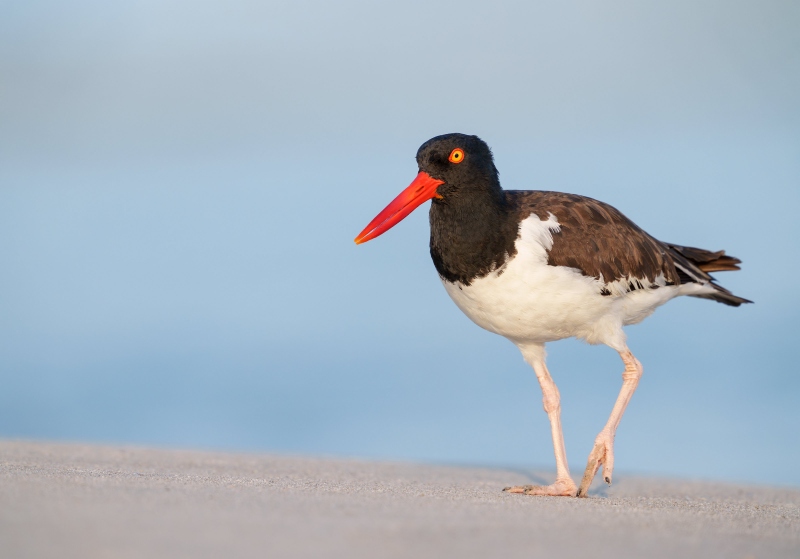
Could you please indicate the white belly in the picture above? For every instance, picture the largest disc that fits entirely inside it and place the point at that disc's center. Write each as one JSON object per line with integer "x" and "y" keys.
{"x": 529, "y": 301}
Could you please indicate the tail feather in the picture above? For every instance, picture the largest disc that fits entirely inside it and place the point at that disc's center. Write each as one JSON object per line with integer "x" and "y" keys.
{"x": 694, "y": 264}
{"x": 709, "y": 261}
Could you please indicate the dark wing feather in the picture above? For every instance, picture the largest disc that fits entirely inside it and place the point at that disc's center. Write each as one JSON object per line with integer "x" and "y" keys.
{"x": 597, "y": 239}
{"x": 601, "y": 242}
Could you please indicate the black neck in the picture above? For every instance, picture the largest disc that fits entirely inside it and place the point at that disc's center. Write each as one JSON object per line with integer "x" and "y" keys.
{"x": 472, "y": 231}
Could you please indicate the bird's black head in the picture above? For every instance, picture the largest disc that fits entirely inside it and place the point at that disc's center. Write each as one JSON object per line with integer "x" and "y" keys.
{"x": 452, "y": 168}
{"x": 460, "y": 160}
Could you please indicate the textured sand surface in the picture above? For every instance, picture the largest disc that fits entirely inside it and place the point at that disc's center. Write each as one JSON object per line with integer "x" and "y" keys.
{"x": 59, "y": 500}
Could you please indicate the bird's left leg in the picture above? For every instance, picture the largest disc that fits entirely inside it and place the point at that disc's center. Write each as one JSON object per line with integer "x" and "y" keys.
{"x": 603, "y": 451}
{"x": 551, "y": 399}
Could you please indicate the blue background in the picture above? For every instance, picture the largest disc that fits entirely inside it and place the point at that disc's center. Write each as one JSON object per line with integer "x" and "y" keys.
{"x": 180, "y": 184}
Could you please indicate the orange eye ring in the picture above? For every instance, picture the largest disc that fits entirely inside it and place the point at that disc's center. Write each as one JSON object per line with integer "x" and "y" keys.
{"x": 456, "y": 156}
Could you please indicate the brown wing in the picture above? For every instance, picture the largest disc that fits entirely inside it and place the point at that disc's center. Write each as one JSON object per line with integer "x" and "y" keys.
{"x": 597, "y": 239}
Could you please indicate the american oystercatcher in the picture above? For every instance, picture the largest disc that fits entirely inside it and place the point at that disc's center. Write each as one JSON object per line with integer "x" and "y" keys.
{"x": 537, "y": 266}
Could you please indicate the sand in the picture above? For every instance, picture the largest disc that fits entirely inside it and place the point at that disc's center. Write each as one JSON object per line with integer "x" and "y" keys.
{"x": 70, "y": 500}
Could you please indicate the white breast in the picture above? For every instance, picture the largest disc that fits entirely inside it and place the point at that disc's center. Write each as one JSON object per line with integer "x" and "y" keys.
{"x": 529, "y": 301}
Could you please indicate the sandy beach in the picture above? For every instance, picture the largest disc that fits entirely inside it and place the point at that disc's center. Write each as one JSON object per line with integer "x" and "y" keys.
{"x": 73, "y": 500}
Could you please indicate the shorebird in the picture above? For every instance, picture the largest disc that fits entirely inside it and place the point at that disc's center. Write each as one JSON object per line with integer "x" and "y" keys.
{"x": 536, "y": 266}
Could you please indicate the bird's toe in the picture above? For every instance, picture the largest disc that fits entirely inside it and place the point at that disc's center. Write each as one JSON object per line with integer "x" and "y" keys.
{"x": 561, "y": 488}
{"x": 602, "y": 453}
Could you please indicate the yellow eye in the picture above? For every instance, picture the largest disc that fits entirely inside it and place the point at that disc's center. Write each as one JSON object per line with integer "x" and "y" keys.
{"x": 456, "y": 156}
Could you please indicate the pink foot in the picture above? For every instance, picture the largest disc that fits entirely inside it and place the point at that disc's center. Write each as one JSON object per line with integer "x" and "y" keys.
{"x": 561, "y": 488}
{"x": 602, "y": 453}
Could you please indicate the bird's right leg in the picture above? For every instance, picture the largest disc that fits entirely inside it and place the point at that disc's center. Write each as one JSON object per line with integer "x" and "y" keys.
{"x": 603, "y": 451}
{"x": 564, "y": 486}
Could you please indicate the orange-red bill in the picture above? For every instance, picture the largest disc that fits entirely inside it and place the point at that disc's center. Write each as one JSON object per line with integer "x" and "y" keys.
{"x": 421, "y": 189}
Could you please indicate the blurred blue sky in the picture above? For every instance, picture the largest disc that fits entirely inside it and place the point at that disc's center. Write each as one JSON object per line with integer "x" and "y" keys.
{"x": 180, "y": 184}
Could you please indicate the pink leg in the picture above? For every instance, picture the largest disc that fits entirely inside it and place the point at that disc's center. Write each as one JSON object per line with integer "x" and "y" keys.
{"x": 603, "y": 451}
{"x": 564, "y": 486}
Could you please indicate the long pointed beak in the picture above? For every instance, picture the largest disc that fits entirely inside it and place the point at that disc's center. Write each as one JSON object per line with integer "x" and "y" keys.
{"x": 421, "y": 189}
